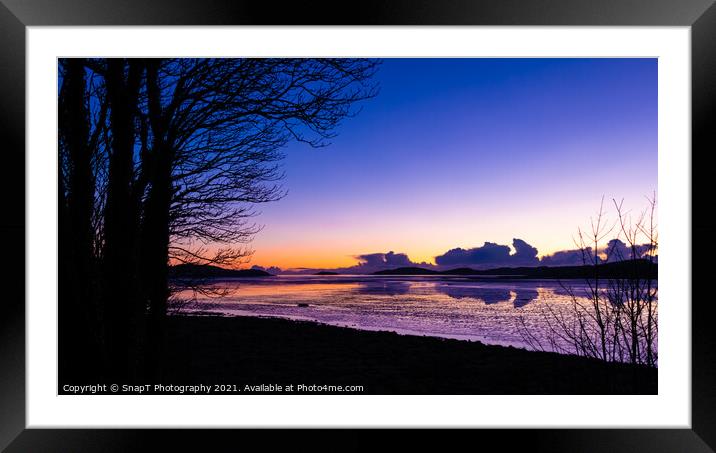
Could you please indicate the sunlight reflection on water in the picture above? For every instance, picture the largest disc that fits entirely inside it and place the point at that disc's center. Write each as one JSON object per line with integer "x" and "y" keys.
{"x": 491, "y": 311}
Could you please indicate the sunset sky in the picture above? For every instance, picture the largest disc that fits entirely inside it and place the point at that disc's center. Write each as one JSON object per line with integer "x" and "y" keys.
{"x": 459, "y": 152}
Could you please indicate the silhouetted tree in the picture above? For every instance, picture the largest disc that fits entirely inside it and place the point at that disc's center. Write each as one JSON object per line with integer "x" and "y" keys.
{"x": 122, "y": 303}
{"x": 180, "y": 151}
{"x": 75, "y": 206}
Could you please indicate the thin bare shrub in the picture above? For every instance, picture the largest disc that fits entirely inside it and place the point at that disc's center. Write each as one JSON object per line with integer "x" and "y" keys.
{"x": 612, "y": 316}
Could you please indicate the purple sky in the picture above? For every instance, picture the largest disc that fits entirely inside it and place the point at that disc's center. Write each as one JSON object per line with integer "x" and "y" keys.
{"x": 459, "y": 152}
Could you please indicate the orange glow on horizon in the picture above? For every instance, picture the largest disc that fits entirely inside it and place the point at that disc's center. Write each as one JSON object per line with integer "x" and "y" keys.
{"x": 295, "y": 259}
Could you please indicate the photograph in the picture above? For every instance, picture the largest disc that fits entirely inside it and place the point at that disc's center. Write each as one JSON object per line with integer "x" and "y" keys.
{"x": 423, "y": 220}
{"x": 357, "y": 226}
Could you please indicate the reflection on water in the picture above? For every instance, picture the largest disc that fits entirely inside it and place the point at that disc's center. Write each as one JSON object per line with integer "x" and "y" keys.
{"x": 491, "y": 311}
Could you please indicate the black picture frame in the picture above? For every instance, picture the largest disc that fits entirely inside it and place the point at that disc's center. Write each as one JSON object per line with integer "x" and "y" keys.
{"x": 16, "y": 15}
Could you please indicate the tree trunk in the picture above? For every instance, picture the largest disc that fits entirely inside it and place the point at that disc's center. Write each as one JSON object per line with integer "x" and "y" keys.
{"x": 79, "y": 342}
{"x": 156, "y": 250}
{"x": 155, "y": 234}
{"x": 123, "y": 306}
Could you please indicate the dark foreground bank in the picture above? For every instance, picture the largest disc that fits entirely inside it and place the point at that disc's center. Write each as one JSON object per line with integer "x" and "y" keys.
{"x": 255, "y": 355}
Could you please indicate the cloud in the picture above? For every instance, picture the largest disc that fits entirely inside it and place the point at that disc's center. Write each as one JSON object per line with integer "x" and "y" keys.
{"x": 271, "y": 270}
{"x": 367, "y": 264}
{"x": 567, "y": 258}
{"x": 615, "y": 250}
{"x": 525, "y": 254}
{"x": 371, "y": 262}
{"x": 384, "y": 259}
{"x": 490, "y": 255}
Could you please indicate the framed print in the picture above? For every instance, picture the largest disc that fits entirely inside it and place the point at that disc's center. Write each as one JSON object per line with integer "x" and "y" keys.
{"x": 465, "y": 215}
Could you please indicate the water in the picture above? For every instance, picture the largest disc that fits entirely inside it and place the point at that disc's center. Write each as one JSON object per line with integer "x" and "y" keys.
{"x": 493, "y": 311}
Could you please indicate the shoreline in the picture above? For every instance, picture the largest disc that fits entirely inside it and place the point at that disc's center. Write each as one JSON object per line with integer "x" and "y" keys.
{"x": 252, "y": 353}
{"x": 400, "y": 332}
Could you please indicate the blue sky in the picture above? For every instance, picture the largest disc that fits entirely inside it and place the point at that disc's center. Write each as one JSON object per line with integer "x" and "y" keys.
{"x": 457, "y": 152}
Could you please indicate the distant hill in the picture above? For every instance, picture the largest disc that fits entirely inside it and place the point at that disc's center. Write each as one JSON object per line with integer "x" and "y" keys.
{"x": 326, "y": 273}
{"x": 208, "y": 271}
{"x": 620, "y": 269}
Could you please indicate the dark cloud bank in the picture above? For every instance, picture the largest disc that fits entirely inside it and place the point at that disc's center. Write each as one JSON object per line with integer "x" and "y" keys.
{"x": 489, "y": 255}
{"x": 492, "y": 255}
